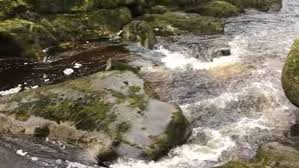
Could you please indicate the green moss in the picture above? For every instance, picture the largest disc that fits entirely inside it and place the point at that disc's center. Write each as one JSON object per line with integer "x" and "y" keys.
{"x": 159, "y": 148}
{"x": 236, "y": 164}
{"x": 109, "y": 19}
{"x": 134, "y": 96}
{"x": 119, "y": 96}
{"x": 79, "y": 5}
{"x": 140, "y": 32}
{"x": 120, "y": 66}
{"x": 106, "y": 4}
{"x": 12, "y": 8}
{"x": 136, "y": 99}
{"x": 175, "y": 134}
{"x": 175, "y": 22}
{"x": 164, "y": 2}
{"x": 86, "y": 113}
{"x": 177, "y": 128}
{"x": 159, "y": 9}
{"x": 22, "y": 116}
{"x": 63, "y": 6}
{"x": 119, "y": 131}
{"x": 290, "y": 75}
{"x": 32, "y": 37}
{"x": 134, "y": 89}
{"x": 93, "y": 115}
{"x": 268, "y": 156}
{"x": 218, "y": 8}
{"x": 263, "y": 5}
{"x": 81, "y": 85}
{"x": 87, "y": 25}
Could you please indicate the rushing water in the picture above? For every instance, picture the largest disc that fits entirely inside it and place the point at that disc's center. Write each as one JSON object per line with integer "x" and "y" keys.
{"x": 234, "y": 102}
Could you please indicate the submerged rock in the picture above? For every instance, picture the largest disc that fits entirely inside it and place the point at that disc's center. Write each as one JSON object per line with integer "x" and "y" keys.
{"x": 108, "y": 113}
{"x": 290, "y": 75}
{"x": 271, "y": 155}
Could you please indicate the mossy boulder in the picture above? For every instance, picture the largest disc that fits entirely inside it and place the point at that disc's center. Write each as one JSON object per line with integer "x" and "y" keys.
{"x": 63, "y": 6}
{"x": 31, "y": 37}
{"x": 262, "y": 5}
{"x": 87, "y": 25}
{"x": 179, "y": 23}
{"x": 161, "y": 2}
{"x": 272, "y": 155}
{"x": 108, "y": 106}
{"x": 290, "y": 75}
{"x": 158, "y": 9}
{"x": 71, "y": 6}
{"x": 49, "y": 30}
{"x": 140, "y": 32}
{"x": 9, "y": 8}
{"x": 216, "y": 8}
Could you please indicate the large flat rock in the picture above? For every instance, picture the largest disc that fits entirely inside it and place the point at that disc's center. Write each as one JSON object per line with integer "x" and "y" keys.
{"x": 109, "y": 114}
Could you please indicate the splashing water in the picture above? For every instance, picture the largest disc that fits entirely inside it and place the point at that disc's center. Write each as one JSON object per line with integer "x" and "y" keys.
{"x": 235, "y": 103}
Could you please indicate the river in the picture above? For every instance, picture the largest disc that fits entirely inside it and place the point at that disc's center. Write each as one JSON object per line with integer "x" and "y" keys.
{"x": 233, "y": 100}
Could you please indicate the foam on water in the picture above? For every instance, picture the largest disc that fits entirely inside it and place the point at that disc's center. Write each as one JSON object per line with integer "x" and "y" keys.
{"x": 76, "y": 165}
{"x": 252, "y": 45}
{"x": 177, "y": 60}
{"x": 11, "y": 91}
{"x": 195, "y": 154}
{"x": 189, "y": 155}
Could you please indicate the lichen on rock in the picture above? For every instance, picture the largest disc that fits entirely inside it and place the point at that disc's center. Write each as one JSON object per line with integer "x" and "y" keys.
{"x": 270, "y": 155}
{"x": 178, "y": 22}
{"x": 111, "y": 104}
{"x": 216, "y": 8}
{"x": 264, "y": 5}
{"x": 290, "y": 78}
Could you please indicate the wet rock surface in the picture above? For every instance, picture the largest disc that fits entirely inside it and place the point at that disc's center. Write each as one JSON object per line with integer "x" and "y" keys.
{"x": 274, "y": 155}
{"x": 26, "y": 151}
{"x": 112, "y": 107}
{"x": 290, "y": 75}
{"x": 84, "y": 59}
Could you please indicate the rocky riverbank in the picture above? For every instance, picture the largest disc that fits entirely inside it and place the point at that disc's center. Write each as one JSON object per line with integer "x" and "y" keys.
{"x": 33, "y": 25}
